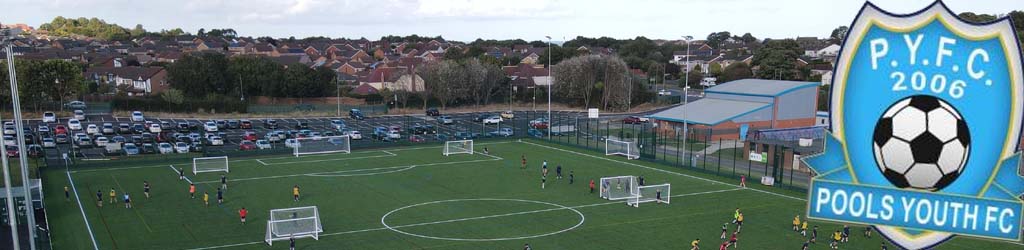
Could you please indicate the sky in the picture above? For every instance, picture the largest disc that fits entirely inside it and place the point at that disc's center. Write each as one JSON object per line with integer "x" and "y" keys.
{"x": 466, "y": 20}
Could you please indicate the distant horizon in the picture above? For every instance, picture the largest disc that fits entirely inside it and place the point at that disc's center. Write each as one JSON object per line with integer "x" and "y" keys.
{"x": 468, "y": 20}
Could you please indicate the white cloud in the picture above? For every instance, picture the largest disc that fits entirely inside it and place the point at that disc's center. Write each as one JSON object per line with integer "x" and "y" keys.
{"x": 485, "y": 8}
{"x": 300, "y": 6}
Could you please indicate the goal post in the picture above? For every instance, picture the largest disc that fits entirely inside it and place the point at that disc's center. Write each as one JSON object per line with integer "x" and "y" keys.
{"x": 296, "y": 222}
{"x": 322, "y": 145}
{"x": 458, "y": 147}
{"x": 210, "y": 164}
{"x": 624, "y": 148}
{"x": 661, "y": 193}
{"x": 619, "y": 187}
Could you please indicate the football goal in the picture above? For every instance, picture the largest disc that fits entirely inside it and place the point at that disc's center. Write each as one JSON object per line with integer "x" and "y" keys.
{"x": 296, "y": 222}
{"x": 624, "y": 148}
{"x": 619, "y": 187}
{"x": 322, "y": 145}
{"x": 660, "y": 193}
{"x": 210, "y": 164}
{"x": 458, "y": 147}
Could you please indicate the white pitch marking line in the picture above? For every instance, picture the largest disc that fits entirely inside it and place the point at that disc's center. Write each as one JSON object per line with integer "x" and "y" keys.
{"x": 352, "y": 170}
{"x": 323, "y": 160}
{"x": 664, "y": 171}
{"x": 81, "y": 209}
{"x": 467, "y": 219}
{"x": 179, "y": 173}
{"x": 261, "y": 162}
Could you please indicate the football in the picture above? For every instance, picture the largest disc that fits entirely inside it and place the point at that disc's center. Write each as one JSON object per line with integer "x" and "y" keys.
{"x": 921, "y": 142}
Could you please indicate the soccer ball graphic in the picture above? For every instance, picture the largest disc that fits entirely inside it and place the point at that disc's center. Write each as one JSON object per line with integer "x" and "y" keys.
{"x": 921, "y": 142}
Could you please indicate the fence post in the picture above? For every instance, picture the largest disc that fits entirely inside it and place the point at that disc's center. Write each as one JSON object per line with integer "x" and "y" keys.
{"x": 719, "y": 157}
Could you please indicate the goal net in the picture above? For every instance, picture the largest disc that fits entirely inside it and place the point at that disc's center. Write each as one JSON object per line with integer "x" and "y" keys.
{"x": 619, "y": 187}
{"x": 297, "y": 222}
{"x": 458, "y": 147}
{"x": 322, "y": 145}
{"x": 624, "y": 148}
{"x": 209, "y": 164}
{"x": 660, "y": 193}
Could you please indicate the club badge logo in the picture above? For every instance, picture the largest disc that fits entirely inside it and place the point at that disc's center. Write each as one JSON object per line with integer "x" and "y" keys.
{"x": 926, "y": 113}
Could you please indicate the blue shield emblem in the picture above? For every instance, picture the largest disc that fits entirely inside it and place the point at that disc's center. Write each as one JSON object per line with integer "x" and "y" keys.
{"x": 926, "y": 114}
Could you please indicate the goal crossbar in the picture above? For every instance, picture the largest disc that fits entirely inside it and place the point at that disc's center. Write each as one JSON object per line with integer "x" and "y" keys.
{"x": 210, "y": 164}
{"x": 624, "y": 148}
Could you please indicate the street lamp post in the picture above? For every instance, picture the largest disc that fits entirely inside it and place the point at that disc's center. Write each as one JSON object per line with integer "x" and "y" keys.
{"x": 23, "y": 160}
{"x": 686, "y": 95}
{"x": 550, "y": 81}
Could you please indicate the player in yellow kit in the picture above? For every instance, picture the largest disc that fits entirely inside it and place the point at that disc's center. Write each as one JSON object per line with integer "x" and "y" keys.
{"x": 796, "y": 223}
{"x": 695, "y": 244}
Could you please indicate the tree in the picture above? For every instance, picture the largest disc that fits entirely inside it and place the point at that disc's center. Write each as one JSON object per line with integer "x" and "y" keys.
{"x": 199, "y": 75}
{"x": 173, "y": 96}
{"x": 748, "y": 38}
{"x": 138, "y": 31}
{"x": 582, "y": 78}
{"x": 838, "y": 34}
{"x": 92, "y": 27}
{"x": 201, "y": 32}
{"x": 716, "y": 39}
{"x": 982, "y": 18}
{"x": 693, "y": 79}
{"x": 714, "y": 69}
{"x": 67, "y": 80}
{"x": 777, "y": 60}
{"x": 735, "y": 71}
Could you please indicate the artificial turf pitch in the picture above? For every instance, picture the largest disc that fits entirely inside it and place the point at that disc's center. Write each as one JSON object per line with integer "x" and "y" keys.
{"x": 416, "y": 198}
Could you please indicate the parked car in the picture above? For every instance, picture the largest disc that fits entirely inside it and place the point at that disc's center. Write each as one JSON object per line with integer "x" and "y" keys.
{"x": 12, "y": 151}
{"x": 262, "y": 144}
{"x": 49, "y": 142}
{"x": 245, "y": 124}
{"x": 272, "y": 137}
{"x": 112, "y": 148}
{"x": 635, "y": 120}
{"x": 216, "y": 141}
{"x": 181, "y": 147}
{"x": 394, "y": 135}
{"x": 92, "y": 129}
{"x": 139, "y": 128}
{"x": 10, "y": 129}
{"x": 130, "y": 149}
{"x": 118, "y": 139}
{"x": 356, "y": 114}
{"x": 291, "y": 143}
{"x": 137, "y": 116}
{"x": 302, "y": 125}
{"x": 508, "y": 115}
{"x": 380, "y": 133}
{"x": 35, "y": 151}
{"x": 539, "y": 123}
{"x": 84, "y": 141}
{"x": 233, "y": 124}
{"x": 101, "y": 141}
{"x": 124, "y": 128}
{"x": 395, "y": 128}
{"x": 422, "y": 129}
{"x": 9, "y": 140}
{"x": 433, "y": 112}
{"x": 492, "y": 120}
{"x": 249, "y": 136}
{"x": 270, "y": 124}
{"x": 221, "y": 124}
{"x": 664, "y": 92}
{"x": 108, "y": 128}
{"x": 155, "y": 128}
{"x": 481, "y": 117}
{"x": 446, "y": 120}
{"x": 49, "y": 117}
{"x": 60, "y": 129}
{"x": 465, "y": 135}
{"x": 165, "y": 148}
{"x": 505, "y": 132}
{"x": 210, "y": 127}
{"x": 60, "y": 138}
{"x": 74, "y": 125}
{"x": 148, "y": 148}
{"x": 43, "y": 128}
{"x": 535, "y": 133}
{"x": 79, "y": 114}
{"x": 355, "y": 135}
{"x": 75, "y": 105}
{"x": 338, "y": 125}
{"x": 246, "y": 145}
{"x": 196, "y": 146}
{"x": 183, "y": 126}
{"x": 417, "y": 138}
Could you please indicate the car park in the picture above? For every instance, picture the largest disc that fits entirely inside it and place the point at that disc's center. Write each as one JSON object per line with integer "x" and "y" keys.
{"x": 492, "y": 120}
{"x": 446, "y": 120}
{"x": 79, "y": 114}
{"x": 130, "y": 149}
{"x": 210, "y": 127}
{"x": 49, "y": 117}
{"x": 246, "y": 145}
{"x": 49, "y": 142}
{"x": 433, "y": 112}
{"x": 245, "y": 124}
{"x": 137, "y": 116}
{"x": 92, "y": 129}
{"x": 108, "y": 128}
{"x": 181, "y": 147}
{"x": 356, "y": 114}
{"x": 155, "y": 128}
{"x": 263, "y": 144}
{"x": 165, "y": 148}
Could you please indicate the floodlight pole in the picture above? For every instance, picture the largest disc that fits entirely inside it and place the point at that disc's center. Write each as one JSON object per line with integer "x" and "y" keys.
{"x": 22, "y": 150}
{"x": 686, "y": 95}
{"x": 11, "y": 215}
{"x": 550, "y": 81}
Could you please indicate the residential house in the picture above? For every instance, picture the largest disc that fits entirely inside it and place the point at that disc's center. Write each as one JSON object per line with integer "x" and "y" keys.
{"x": 135, "y": 80}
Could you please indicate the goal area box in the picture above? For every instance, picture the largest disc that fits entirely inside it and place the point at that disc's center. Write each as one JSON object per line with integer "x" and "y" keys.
{"x": 619, "y": 187}
{"x": 210, "y": 164}
{"x": 624, "y": 148}
{"x": 297, "y": 222}
{"x": 458, "y": 147}
{"x": 661, "y": 193}
{"x": 322, "y": 145}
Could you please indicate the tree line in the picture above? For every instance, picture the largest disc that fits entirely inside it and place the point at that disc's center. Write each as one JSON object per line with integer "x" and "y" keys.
{"x": 214, "y": 75}
{"x": 43, "y": 82}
